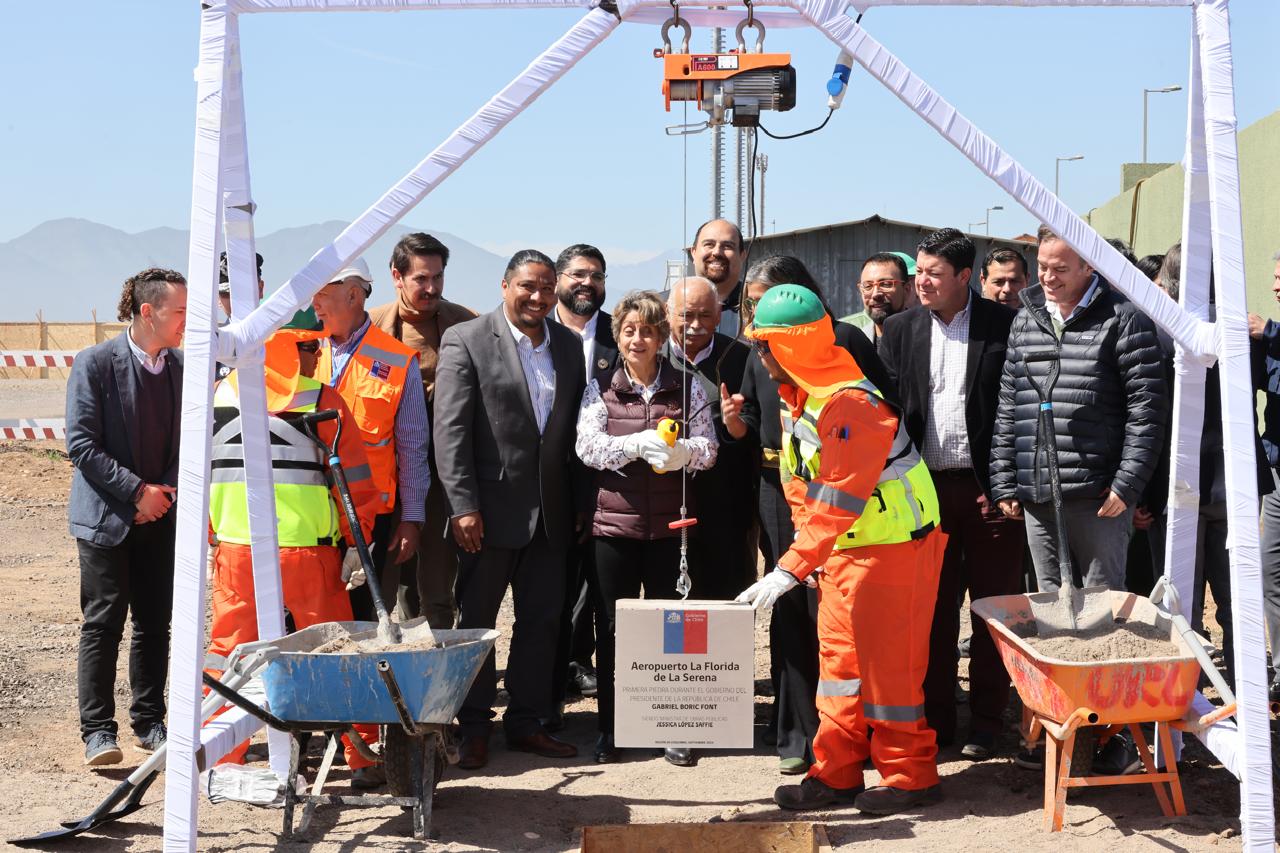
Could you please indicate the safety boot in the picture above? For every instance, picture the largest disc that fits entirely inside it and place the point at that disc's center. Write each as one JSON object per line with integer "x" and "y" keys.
{"x": 812, "y": 794}
{"x": 884, "y": 800}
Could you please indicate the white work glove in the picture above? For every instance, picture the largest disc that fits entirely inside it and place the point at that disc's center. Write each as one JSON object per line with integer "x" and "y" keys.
{"x": 641, "y": 444}
{"x": 763, "y": 593}
{"x": 352, "y": 570}
{"x": 676, "y": 457}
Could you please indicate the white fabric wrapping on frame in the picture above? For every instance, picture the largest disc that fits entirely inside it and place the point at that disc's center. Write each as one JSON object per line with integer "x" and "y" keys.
{"x": 186, "y": 651}
{"x": 1257, "y": 818}
{"x": 1186, "y": 418}
{"x": 1196, "y": 335}
{"x": 1189, "y": 403}
{"x": 413, "y": 187}
{"x": 726, "y": 18}
{"x": 226, "y": 731}
{"x": 404, "y": 5}
{"x": 259, "y": 481}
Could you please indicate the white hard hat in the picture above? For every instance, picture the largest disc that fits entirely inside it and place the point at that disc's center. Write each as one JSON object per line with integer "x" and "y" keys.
{"x": 357, "y": 268}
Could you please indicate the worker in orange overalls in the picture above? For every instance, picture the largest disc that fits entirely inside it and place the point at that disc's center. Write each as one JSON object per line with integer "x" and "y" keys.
{"x": 314, "y": 576}
{"x": 866, "y": 520}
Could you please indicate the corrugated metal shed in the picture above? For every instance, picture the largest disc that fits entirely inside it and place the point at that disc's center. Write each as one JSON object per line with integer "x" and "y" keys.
{"x": 834, "y": 253}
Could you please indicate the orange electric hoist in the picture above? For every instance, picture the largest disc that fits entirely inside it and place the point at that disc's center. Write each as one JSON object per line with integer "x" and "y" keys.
{"x": 730, "y": 87}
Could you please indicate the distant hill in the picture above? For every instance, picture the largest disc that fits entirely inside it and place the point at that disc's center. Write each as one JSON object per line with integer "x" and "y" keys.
{"x": 69, "y": 267}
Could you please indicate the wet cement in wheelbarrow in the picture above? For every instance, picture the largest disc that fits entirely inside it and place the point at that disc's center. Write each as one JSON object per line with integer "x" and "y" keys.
{"x": 1116, "y": 641}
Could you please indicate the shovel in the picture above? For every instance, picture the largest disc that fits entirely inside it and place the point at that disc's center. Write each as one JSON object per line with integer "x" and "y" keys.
{"x": 1069, "y": 610}
{"x": 388, "y": 631}
{"x": 131, "y": 790}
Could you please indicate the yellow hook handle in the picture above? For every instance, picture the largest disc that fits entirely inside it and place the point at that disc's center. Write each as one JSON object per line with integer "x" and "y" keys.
{"x": 670, "y": 431}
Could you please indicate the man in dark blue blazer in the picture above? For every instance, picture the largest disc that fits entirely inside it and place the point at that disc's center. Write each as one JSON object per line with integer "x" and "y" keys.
{"x": 123, "y": 412}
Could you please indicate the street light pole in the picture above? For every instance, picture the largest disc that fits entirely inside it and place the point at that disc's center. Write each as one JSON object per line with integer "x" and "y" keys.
{"x": 1057, "y": 170}
{"x": 986, "y": 222}
{"x": 1145, "y": 93}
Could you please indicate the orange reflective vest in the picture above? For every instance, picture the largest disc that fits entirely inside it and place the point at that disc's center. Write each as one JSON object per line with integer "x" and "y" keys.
{"x": 371, "y": 385}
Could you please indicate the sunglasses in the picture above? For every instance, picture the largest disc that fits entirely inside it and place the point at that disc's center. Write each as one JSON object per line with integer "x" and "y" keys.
{"x": 309, "y": 346}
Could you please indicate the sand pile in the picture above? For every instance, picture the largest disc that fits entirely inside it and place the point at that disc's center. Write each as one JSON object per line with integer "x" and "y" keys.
{"x": 1116, "y": 641}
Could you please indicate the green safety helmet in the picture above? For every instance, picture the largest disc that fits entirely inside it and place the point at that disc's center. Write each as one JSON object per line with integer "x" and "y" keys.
{"x": 305, "y": 320}
{"x": 908, "y": 260}
{"x": 786, "y": 306}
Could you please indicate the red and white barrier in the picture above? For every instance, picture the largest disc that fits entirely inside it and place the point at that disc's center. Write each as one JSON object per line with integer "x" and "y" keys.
{"x": 33, "y": 428}
{"x": 37, "y": 358}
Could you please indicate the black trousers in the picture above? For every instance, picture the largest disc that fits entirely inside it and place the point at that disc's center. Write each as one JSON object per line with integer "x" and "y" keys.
{"x": 621, "y": 568}
{"x": 536, "y": 575}
{"x": 983, "y": 555}
{"x": 793, "y": 632}
{"x": 577, "y": 642}
{"x": 362, "y": 609}
{"x": 134, "y": 579}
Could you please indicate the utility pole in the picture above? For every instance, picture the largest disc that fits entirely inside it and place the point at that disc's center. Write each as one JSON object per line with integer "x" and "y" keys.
{"x": 717, "y": 147}
{"x": 762, "y": 163}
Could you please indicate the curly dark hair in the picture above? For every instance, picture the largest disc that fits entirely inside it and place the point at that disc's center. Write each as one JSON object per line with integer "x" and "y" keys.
{"x": 150, "y": 286}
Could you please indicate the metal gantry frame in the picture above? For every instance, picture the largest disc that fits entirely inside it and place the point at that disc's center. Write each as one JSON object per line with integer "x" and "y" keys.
{"x": 222, "y": 209}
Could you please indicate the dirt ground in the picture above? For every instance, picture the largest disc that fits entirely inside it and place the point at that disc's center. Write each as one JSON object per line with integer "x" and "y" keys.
{"x": 519, "y": 802}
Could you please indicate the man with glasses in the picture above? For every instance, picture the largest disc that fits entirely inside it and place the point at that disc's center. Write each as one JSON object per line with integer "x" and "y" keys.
{"x": 580, "y": 277}
{"x": 886, "y": 288}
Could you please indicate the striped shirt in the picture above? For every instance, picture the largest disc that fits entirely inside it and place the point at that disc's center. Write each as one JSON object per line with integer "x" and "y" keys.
{"x": 946, "y": 435}
{"x": 539, "y": 372}
{"x": 412, "y": 429}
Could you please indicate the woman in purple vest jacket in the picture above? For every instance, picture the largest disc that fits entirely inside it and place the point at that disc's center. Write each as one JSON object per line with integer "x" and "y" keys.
{"x": 638, "y": 479}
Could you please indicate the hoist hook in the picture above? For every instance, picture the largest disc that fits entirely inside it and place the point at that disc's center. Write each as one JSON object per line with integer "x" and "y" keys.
{"x": 676, "y": 21}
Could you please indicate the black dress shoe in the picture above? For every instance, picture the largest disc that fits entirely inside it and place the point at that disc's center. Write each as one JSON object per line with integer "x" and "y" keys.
{"x": 679, "y": 756}
{"x": 473, "y": 752}
{"x": 541, "y": 743}
{"x": 588, "y": 683}
{"x": 606, "y": 752}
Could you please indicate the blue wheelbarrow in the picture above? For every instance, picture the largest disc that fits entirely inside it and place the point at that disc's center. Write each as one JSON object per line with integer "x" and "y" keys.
{"x": 413, "y": 694}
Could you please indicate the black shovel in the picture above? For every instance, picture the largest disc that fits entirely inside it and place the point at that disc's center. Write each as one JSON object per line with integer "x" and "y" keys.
{"x": 128, "y": 794}
{"x": 388, "y": 631}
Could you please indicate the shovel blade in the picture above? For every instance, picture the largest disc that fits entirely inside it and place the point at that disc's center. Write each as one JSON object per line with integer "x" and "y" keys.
{"x": 1071, "y": 611}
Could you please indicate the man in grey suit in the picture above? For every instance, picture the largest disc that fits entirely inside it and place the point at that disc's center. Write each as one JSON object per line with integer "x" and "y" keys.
{"x": 123, "y": 410}
{"x": 508, "y": 388}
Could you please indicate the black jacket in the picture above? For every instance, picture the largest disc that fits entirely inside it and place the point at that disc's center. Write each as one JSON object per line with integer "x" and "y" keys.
{"x": 1110, "y": 404}
{"x": 905, "y": 349}
{"x": 724, "y": 540}
{"x": 761, "y": 408}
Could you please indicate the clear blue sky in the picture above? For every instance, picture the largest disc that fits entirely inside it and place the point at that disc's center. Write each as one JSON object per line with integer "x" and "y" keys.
{"x": 97, "y": 110}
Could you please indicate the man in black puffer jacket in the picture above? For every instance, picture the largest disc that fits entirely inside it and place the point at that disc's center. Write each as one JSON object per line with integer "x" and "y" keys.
{"x": 1110, "y": 408}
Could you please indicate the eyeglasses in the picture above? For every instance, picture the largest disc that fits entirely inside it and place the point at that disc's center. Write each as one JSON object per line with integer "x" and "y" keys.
{"x": 760, "y": 345}
{"x": 309, "y": 346}
{"x": 884, "y": 285}
{"x": 585, "y": 275}
{"x": 749, "y": 304}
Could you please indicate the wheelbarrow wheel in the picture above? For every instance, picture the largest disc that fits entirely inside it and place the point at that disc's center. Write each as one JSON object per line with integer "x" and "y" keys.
{"x": 398, "y": 759}
{"x": 398, "y": 747}
{"x": 1084, "y": 749}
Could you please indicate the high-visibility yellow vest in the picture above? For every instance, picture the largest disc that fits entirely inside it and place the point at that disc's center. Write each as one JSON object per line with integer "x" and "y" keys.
{"x": 305, "y": 512}
{"x": 903, "y": 506}
{"x": 371, "y": 385}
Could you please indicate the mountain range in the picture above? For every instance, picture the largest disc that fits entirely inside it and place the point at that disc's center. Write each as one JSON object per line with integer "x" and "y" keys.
{"x": 67, "y": 268}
